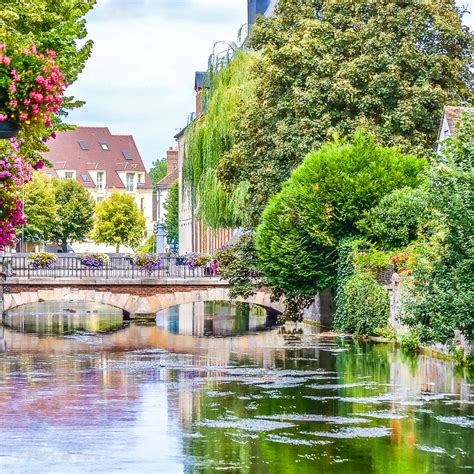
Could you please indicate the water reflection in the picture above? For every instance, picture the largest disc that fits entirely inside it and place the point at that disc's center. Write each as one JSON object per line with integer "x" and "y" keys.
{"x": 60, "y": 318}
{"x": 151, "y": 398}
{"x": 214, "y": 318}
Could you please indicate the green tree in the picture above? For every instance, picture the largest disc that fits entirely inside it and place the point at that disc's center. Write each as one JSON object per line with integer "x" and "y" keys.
{"x": 172, "y": 214}
{"x": 51, "y": 24}
{"x": 40, "y": 209}
{"x": 338, "y": 65}
{"x": 210, "y": 138}
{"x": 75, "y": 212}
{"x": 119, "y": 222}
{"x": 320, "y": 205}
{"x": 397, "y": 219}
{"x": 158, "y": 171}
{"x": 442, "y": 294}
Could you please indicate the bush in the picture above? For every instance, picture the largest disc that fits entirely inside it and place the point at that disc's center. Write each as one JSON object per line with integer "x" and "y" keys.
{"x": 395, "y": 221}
{"x": 238, "y": 265}
{"x": 442, "y": 296}
{"x": 410, "y": 341}
{"x": 320, "y": 204}
{"x": 366, "y": 305}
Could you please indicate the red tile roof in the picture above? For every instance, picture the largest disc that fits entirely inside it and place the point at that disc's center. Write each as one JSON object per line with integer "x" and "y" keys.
{"x": 169, "y": 179}
{"x": 454, "y": 116}
{"x": 66, "y": 153}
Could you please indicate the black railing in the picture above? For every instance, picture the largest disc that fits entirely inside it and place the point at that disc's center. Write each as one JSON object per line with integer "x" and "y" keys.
{"x": 119, "y": 267}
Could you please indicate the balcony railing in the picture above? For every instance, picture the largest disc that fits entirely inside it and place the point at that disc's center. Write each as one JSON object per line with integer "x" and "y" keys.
{"x": 119, "y": 267}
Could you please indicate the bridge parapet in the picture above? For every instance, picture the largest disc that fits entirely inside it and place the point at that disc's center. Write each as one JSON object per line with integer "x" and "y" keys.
{"x": 139, "y": 299}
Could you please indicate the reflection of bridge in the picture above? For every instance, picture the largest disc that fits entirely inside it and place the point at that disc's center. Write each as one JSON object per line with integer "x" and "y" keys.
{"x": 137, "y": 298}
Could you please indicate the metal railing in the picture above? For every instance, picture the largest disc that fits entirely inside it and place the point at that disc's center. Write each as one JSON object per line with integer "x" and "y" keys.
{"x": 119, "y": 267}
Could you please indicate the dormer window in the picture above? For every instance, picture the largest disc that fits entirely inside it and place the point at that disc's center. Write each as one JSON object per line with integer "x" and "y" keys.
{"x": 104, "y": 146}
{"x": 83, "y": 145}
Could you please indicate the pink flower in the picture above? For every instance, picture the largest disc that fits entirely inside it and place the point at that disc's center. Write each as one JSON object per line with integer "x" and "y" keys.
{"x": 6, "y": 61}
{"x": 3, "y": 117}
{"x": 39, "y": 79}
{"x": 33, "y": 49}
{"x": 2, "y": 46}
{"x": 53, "y": 135}
{"x": 38, "y": 165}
{"x": 12, "y": 88}
{"x": 13, "y": 103}
{"x": 23, "y": 116}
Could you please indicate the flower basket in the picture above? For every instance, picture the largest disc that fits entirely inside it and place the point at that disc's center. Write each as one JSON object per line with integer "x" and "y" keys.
{"x": 196, "y": 260}
{"x": 42, "y": 260}
{"x": 31, "y": 88}
{"x": 9, "y": 129}
{"x": 94, "y": 260}
{"x": 147, "y": 262}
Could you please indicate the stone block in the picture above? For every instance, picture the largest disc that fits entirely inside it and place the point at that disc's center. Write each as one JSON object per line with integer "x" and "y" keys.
{"x": 45, "y": 295}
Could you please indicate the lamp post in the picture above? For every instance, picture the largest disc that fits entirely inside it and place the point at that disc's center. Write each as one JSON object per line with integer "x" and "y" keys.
{"x": 160, "y": 235}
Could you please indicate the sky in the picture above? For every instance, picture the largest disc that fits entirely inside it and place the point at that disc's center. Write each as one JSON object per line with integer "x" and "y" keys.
{"x": 140, "y": 78}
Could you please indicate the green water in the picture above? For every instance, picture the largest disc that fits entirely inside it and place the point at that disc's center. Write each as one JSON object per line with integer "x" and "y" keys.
{"x": 176, "y": 396}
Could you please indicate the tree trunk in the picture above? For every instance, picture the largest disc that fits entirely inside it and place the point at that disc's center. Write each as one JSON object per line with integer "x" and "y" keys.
{"x": 64, "y": 247}
{"x": 117, "y": 248}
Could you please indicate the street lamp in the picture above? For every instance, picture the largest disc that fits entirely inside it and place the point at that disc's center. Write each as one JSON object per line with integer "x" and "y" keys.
{"x": 159, "y": 230}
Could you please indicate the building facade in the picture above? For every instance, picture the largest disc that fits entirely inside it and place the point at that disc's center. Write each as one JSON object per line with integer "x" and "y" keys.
{"x": 194, "y": 236}
{"x": 161, "y": 192}
{"x": 103, "y": 163}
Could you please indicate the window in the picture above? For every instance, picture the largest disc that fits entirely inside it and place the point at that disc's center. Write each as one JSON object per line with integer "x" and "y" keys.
{"x": 69, "y": 174}
{"x": 130, "y": 182}
{"x": 142, "y": 204}
{"x": 127, "y": 155}
{"x": 104, "y": 146}
{"x": 85, "y": 178}
{"x": 83, "y": 145}
{"x": 100, "y": 180}
{"x": 99, "y": 200}
{"x": 139, "y": 178}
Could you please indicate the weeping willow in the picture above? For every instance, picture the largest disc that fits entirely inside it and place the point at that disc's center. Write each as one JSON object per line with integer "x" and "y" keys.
{"x": 210, "y": 136}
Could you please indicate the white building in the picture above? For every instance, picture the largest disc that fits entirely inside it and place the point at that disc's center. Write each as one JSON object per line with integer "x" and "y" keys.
{"x": 103, "y": 163}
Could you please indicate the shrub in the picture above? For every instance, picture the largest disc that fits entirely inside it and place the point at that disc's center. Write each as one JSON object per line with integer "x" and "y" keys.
{"x": 410, "y": 341}
{"x": 366, "y": 305}
{"x": 320, "y": 204}
{"x": 395, "y": 221}
{"x": 442, "y": 296}
{"x": 238, "y": 265}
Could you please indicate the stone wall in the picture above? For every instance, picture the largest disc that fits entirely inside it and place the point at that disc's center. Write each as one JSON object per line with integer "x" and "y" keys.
{"x": 322, "y": 310}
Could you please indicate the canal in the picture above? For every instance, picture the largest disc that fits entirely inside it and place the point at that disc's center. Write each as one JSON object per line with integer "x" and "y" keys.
{"x": 214, "y": 386}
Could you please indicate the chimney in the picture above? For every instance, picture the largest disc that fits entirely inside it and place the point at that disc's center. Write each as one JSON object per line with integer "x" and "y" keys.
{"x": 171, "y": 159}
{"x": 201, "y": 81}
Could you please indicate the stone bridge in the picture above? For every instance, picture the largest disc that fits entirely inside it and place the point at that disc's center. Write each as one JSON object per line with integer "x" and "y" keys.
{"x": 139, "y": 299}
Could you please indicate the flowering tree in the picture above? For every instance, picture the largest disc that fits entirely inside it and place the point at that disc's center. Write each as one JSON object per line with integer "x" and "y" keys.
{"x": 39, "y": 57}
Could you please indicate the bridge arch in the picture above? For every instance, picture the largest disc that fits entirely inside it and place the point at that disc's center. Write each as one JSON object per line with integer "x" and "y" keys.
{"x": 137, "y": 306}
